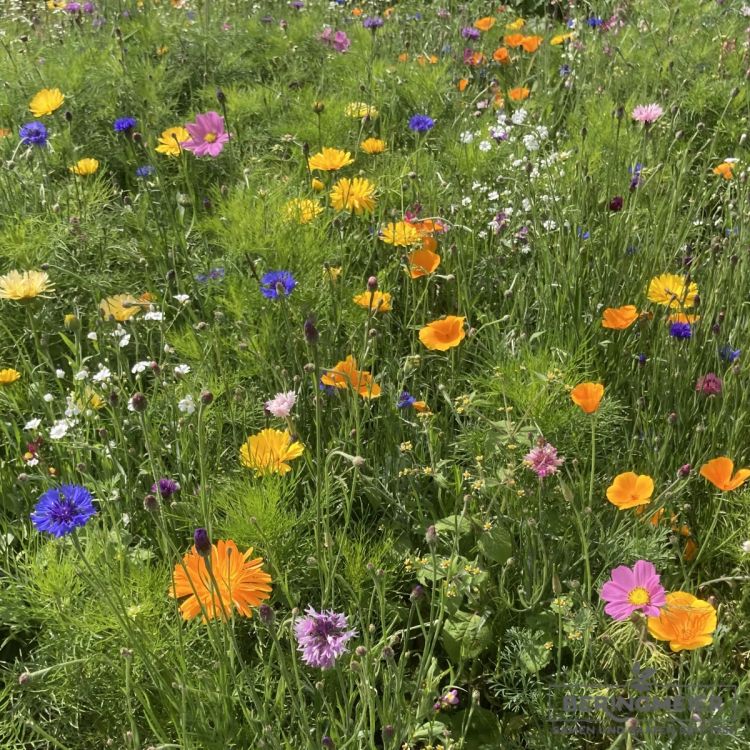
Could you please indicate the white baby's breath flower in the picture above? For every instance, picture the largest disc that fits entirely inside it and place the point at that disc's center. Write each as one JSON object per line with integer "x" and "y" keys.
{"x": 124, "y": 341}
{"x": 91, "y": 336}
{"x": 140, "y": 367}
{"x": 81, "y": 374}
{"x": 154, "y": 315}
{"x": 59, "y": 373}
{"x": 60, "y": 428}
{"x": 48, "y": 398}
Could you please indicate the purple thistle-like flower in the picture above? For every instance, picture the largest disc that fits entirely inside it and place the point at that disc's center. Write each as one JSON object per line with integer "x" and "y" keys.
{"x": 372, "y": 22}
{"x": 322, "y": 637}
{"x": 275, "y": 284}
{"x": 469, "y": 32}
{"x": 62, "y": 509}
{"x": 166, "y": 487}
{"x": 543, "y": 459}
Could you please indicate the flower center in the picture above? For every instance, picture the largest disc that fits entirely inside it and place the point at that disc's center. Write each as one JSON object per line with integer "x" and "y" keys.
{"x": 209, "y": 137}
{"x": 639, "y": 596}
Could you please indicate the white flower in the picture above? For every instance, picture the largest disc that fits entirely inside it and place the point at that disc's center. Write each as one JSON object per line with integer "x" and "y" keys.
{"x": 48, "y": 398}
{"x": 466, "y": 137}
{"x": 72, "y": 410}
{"x": 140, "y": 367}
{"x": 481, "y": 234}
{"x": 519, "y": 117}
{"x": 492, "y": 196}
{"x": 181, "y": 370}
{"x": 168, "y": 349}
{"x": 60, "y": 429}
{"x": 81, "y": 374}
{"x": 32, "y": 424}
{"x": 103, "y": 375}
{"x": 91, "y": 336}
{"x": 32, "y": 461}
{"x": 746, "y": 545}
{"x": 124, "y": 341}
{"x": 281, "y": 404}
{"x": 466, "y": 201}
{"x": 542, "y": 132}
{"x": 526, "y": 205}
{"x": 154, "y": 315}
{"x": 530, "y": 142}
{"x": 186, "y": 405}
{"x": 549, "y": 225}
{"x": 60, "y": 373}
{"x": 119, "y": 332}
{"x": 485, "y": 146}
{"x": 182, "y": 298}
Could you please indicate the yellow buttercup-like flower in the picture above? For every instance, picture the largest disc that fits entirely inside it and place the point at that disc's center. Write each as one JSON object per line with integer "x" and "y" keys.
{"x": 269, "y": 452}
{"x": 302, "y": 210}
{"x": 356, "y": 196}
{"x": 24, "y": 285}
{"x": 373, "y": 146}
{"x": 46, "y": 101}
{"x": 170, "y": 140}
{"x": 401, "y": 234}
{"x": 85, "y": 167}
{"x": 330, "y": 159}
{"x": 120, "y": 307}
{"x": 9, "y": 376}
{"x": 375, "y": 301}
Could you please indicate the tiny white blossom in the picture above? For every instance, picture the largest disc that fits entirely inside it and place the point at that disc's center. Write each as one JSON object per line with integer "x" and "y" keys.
{"x": 32, "y": 424}
{"x": 493, "y": 195}
{"x": 81, "y": 374}
{"x": 59, "y": 373}
{"x": 91, "y": 336}
{"x": 60, "y": 429}
{"x": 181, "y": 370}
{"x": 485, "y": 146}
{"x": 168, "y": 349}
{"x": 186, "y": 405}
{"x": 530, "y": 143}
{"x": 549, "y": 225}
{"x": 103, "y": 375}
{"x": 466, "y": 137}
{"x": 466, "y": 201}
{"x": 48, "y": 398}
{"x": 526, "y": 204}
{"x": 124, "y": 341}
{"x": 140, "y": 367}
{"x": 746, "y": 544}
{"x": 182, "y": 298}
{"x": 154, "y": 315}
{"x": 519, "y": 117}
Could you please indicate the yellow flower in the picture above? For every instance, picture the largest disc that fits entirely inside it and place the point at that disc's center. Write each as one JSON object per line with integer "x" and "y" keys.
{"x": 519, "y": 23}
{"x": 401, "y": 234}
{"x": 560, "y": 39}
{"x": 345, "y": 374}
{"x": 23, "y": 286}
{"x": 373, "y": 146}
{"x": 671, "y": 290}
{"x": 332, "y": 273}
{"x": 317, "y": 185}
{"x": 170, "y": 140}
{"x": 120, "y": 307}
{"x": 360, "y": 110}
{"x": 330, "y": 159}
{"x": 84, "y": 167}
{"x": 302, "y": 210}
{"x": 46, "y": 101}
{"x": 375, "y": 301}
{"x": 9, "y": 376}
{"x": 356, "y": 196}
{"x": 269, "y": 451}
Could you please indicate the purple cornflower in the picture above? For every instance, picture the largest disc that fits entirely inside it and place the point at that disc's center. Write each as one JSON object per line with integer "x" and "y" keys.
{"x": 322, "y": 637}
{"x": 709, "y": 384}
{"x": 145, "y": 171}
{"x": 88, "y": 7}
{"x": 405, "y": 400}
{"x": 542, "y": 459}
{"x": 124, "y": 124}
{"x": 166, "y": 487}
{"x": 680, "y": 330}
{"x": 372, "y": 22}
{"x": 215, "y": 274}
{"x": 73, "y": 8}
{"x": 421, "y": 123}
{"x": 469, "y": 32}
{"x": 62, "y": 509}
{"x": 635, "y": 176}
{"x": 275, "y": 284}
{"x": 728, "y": 354}
{"x": 33, "y": 134}
{"x": 647, "y": 114}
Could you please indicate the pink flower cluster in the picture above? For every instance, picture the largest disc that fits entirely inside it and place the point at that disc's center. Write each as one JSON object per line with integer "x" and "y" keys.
{"x": 338, "y": 40}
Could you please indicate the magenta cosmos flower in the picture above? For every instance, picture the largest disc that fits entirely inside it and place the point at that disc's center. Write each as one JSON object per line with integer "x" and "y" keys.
{"x": 207, "y": 135}
{"x": 631, "y": 589}
{"x": 647, "y": 113}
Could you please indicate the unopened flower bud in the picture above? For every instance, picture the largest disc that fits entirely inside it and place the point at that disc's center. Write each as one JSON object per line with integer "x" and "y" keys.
{"x": 206, "y": 397}
{"x": 372, "y": 283}
{"x": 150, "y": 503}
{"x": 202, "y": 542}
{"x": 311, "y": 332}
{"x": 431, "y": 535}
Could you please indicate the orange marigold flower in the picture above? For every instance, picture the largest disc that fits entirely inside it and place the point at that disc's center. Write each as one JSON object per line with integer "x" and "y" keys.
{"x": 519, "y": 93}
{"x": 501, "y": 55}
{"x": 345, "y": 374}
{"x": 423, "y": 262}
{"x": 672, "y": 290}
{"x": 484, "y": 24}
{"x": 441, "y": 335}
{"x": 619, "y": 318}
{"x": 629, "y": 490}
{"x": 718, "y": 471}
{"x": 235, "y": 582}
{"x": 685, "y": 621}
{"x": 587, "y": 396}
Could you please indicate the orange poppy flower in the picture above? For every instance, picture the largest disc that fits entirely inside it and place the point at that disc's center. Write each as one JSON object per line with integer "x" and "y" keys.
{"x": 403, "y": 57}
{"x": 477, "y": 58}
{"x": 462, "y": 84}
{"x": 629, "y": 490}
{"x": 423, "y": 262}
{"x": 357, "y": 12}
{"x": 428, "y": 226}
{"x": 619, "y": 318}
{"x": 718, "y": 471}
{"x": 514, "y": 40}
{"x": 587, "y": 396}
{"x": 423, "y": 59}
{"x": 421, "y": 407}
{"x": 531, "y": 43}
{"x": 502, "y": 56}
{"x": 441, "y": 335}
{"x": 725, "y": 170}
{"x": 484, "y": 24}
{"x": 345, "y": 374}
{"x": 519, "y": 93}
{"x": 685, "y": 621}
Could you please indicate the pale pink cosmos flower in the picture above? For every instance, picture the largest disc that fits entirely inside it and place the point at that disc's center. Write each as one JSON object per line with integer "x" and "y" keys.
{"x": 543, "y": 459}
{"x": 281, "y": 404}
{"x": 647, "y": 113}
{"x": 208, "y": 135}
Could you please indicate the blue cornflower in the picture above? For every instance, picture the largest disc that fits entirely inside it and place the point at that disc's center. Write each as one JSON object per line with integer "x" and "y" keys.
{"x": 33, "y": 134}
{"x": 145, "y": 171}
{"x": 728, "y": 354}
{"x": 564, "y": 70}
{"x": 405, "y": 400}
{"x": 215, "y": 274}
{"x": 62, "y": 509}
{"x": 277, "y": 284}
{"x": 635, "y": 176}
{"x": 583, "y": 235}
{"x": 469, "y": 32}
{"x": 642, "y": 359}
{"x": 125, "y": 124}
{"x": 421, "y": 123}
{"x": 594, "y": 22}
{"x": 680, "y": 330}
{"x": 372, "y": 22}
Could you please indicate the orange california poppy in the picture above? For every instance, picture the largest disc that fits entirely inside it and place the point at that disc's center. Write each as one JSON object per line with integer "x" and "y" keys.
{"x": 718, "y": 471}
{"x": 476, "y": 58}
{"x": 421, "y": 407}
{"x": 619, "y": 318}
{"x": 345, "y": 374}
{"x": 357, "y": 12}
{"x": 725, "y": 170}
{"x": 236, "y": 581}
{"x": 629, "y": 490}
{"x": 685, "y": 621}
{"x": 501, "y": 55}
{"x": 587, "y": 396}
{"x": 519, "y": 93}
{"x": 462, "y": 84}
{"x": 531, "y": 43}
{"x": 423, "y": 262}
{"x": 514, "y": 40}
{"x": 441, "y": 335}
{"x": 484, "y": 24}
{"x": 403, "y": 57}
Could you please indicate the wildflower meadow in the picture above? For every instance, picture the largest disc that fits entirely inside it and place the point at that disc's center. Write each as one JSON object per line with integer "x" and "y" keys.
{"x": 374, "y": 375}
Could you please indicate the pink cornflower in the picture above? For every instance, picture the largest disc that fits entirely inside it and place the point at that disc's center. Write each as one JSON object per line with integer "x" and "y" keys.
{"x": 542, "y": 459}
{"x": 281, "y": 404}
{"x": 633, "y": 589}
{"x": 338, "y": 40}
{"x": 207, "y": 135}
{"x": 709, "y": 384}
{"x": 647, "y": 113}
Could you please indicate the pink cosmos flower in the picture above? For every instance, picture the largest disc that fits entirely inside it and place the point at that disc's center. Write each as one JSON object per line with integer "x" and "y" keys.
{"x": 629, "y": 590}
{"x": 208, "y": 135}
{"x": 647, "y": 113}
{"x": 281, "y": 404}
{"x": 542, "y": 459}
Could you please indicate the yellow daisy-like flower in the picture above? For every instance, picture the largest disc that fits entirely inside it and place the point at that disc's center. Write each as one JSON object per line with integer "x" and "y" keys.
{"x": 519, "y": 23}
{"x": 356, "y": 196}
{"x": 46, "y": 101}
{"x": 373, "y": 146}
{"x": 360, "y": 110}
{"x": 330, "y": 159}
{"x": 317, "y": 185}
{"x": 24, "y": 285}
{"x": 671, "y": 290}
{"x": 332, "y": 273}
{"x": 170, "y": 140}
{"x": 9, "y": 376}
{"x": 375, "y": 301}
{"x": 302, "y": 210}
{"x": 120, "y": 307}
{"x": 84, "y": 167}
{"x": 401, "y": 234}
{"x": 269, "y": 451}
{"x": 560, "y": 39}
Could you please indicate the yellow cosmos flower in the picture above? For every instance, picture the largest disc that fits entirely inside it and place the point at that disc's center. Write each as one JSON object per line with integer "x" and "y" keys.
{"x": 120, "y": 307}
{"x": 46, "y": 101}
{"x": 356, "y": 196}
{"x": 302, "y": 210}
{"x": 375, "y": 301}
{"x": 401, "y": 234}
{"x": 84, "y": 167}
{"x": 361, "y": 109}
{"x": 269, "y": 451}
{"x": 330, "y": 159}
{"x": 671, "y": 290}
{"x": 24, "y": 285}
{"x": 170, "y": 140}
{"x": 9, "y": 376}
{"x": 373, "y": 146}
